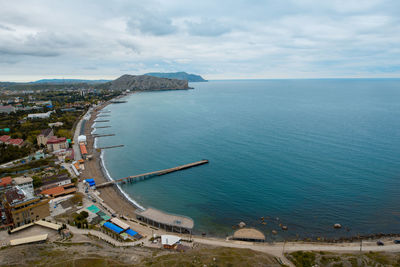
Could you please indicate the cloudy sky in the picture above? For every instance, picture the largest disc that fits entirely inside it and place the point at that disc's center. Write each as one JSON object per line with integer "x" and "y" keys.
{"x": 219, "y": 39}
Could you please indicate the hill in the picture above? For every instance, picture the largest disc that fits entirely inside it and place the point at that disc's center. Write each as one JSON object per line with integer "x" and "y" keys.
{"x": 68, "y": 81}
{"x": 145, "y": 82}
{"x": 178, "y": 75}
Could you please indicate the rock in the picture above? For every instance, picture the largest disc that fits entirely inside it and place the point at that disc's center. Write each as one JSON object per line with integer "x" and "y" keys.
{"x": 337, "y": 226}
{"x": 284, "y": 227}
{"x": 274, "y": 232}
{"x": 242, "y": 224}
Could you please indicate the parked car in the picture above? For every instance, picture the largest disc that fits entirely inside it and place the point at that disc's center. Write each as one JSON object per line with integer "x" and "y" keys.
{"x": 94, "y": 200}
{"x": 396, "y": 241}
{"x": 380, "y": 243}
{"x": 114, "y": 215}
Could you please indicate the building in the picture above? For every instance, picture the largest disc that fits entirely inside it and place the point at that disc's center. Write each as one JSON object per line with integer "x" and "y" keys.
{"x": 40, "y": 115}
{"x": 57, "y": 180}
{"x": 83, "y": 149}
{"x": 44, "y": 136}
{"x": 4, "y": 139}
{"x": 166, "y": 221}
{"x": 7, "y": 109}
{"x": 25, "y": 183}
{"x": 23, "y": 208}
{"x": 170, "y": 241}
{"x": 15, "y": 142}
{"x": 82, "y": 139}
{"x": 5, "y": 183}
{"x": 249, "y": 234}
{"x": 59, "y": 191}
{"x": 55, "y": 143}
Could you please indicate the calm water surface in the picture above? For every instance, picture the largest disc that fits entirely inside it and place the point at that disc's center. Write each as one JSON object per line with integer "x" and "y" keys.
{"x": 309, "y": 152}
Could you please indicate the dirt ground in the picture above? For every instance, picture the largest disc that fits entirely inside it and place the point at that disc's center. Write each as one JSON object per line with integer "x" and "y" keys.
{"x": 86, "y": 254}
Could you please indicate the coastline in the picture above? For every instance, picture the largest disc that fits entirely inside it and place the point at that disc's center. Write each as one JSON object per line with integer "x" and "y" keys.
{"x": 113, "y": 196}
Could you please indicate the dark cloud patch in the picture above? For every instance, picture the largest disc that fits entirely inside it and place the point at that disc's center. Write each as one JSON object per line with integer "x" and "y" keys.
{"x": 152, "y": 25}
{"x": 6, "y": 28}
{"x": 207, "y": 27}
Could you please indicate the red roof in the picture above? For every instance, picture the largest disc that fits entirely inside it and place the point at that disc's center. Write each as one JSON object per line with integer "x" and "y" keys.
{"x": 16, "y": 142}
{"x": 53, "y": 191}
{"x": 4, "y": 138}
{"x": 56, "y": 140}
{"x": 5, "y": 181}
{"x": 83, "y": 148}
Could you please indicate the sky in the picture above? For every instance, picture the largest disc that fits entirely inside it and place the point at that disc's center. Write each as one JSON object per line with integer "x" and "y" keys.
{"x": 224, "y": 39}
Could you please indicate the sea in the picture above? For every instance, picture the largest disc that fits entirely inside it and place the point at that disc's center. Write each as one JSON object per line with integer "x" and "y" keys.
{"x": 301, "y": 153}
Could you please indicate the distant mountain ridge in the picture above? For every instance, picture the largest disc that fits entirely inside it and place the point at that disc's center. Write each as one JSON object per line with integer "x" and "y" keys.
{"x": 145, "y": 82}
{"x": 178, "y": 75}
{"x": 68, "y": 81}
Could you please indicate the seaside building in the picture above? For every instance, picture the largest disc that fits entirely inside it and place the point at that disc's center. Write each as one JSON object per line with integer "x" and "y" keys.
{"x": 44, "y": 136}
{"x": 166, "y": 221}
{"x": 22, "y": 208}
{"x": 54, "y": 181}
{"x": 83, "y": 149}
{"x": 15, "y": 142}
{"x": 59, "y": 191}
{"x": 249, "y": 234}
{"x": 5, "y": 183}
{"x": 170, "y": 241}
{"x": 55, "y": 143}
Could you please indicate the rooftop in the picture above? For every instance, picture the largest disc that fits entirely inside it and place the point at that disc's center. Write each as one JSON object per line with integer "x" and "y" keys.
{"x": 56, "y": 140}
{"x": 166, "y": 218}
{"x": 249, "y": 234}
{"x": 4, "y": 138}
{"x": 5, "y": 181}
{"x": 55, "y": 179}
{"x": 14, "y": 195}
{"x": 15, "y": 141}
{"x": 22, "y": 180}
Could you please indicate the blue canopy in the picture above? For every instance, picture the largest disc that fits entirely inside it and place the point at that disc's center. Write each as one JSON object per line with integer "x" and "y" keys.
{"x": 113, "y": 227}
{"x": 91, "y": 181}
{"x": 131, "y": 232}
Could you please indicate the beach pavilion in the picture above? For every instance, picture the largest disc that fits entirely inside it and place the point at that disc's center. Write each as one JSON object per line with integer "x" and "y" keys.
{"x": 166, "y": 221}
{"x": 249, "y": 234}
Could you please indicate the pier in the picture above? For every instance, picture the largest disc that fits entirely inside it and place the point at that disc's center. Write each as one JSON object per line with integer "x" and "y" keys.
{"x": 108, "y": 147}
{"x": 101, "y": 135}
{"x": 102, "y": 121}
{"x": 99, "y": 127}
{"x": 143, "y": 176}
{"x": 102, "y": 116}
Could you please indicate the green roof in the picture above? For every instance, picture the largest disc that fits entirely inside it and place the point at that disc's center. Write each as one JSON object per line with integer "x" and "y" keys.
{"x": 93, "y": 209}
{"x": 6, "y": 129}
{"x": 69, "y": 141}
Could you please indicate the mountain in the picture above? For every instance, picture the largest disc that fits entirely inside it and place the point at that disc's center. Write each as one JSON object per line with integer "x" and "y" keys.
{"x": 145, "y": 82}
{"x": 178, "y": 75}
{"x": 68, "y": 81}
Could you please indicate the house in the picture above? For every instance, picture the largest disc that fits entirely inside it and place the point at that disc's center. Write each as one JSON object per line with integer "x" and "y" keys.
{"x": 55, "y": 143}
{"x": 22, "y": 208}
{"x": 4, "y": 139}
{"x": 25, "y": 183}
{"x": 44, "y": 136}
{"x": 7, "y": 109}
{"x": 15, "y": 142}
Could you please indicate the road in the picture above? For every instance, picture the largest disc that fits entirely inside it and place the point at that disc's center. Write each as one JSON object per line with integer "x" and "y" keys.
{"x": 77, "y": 153}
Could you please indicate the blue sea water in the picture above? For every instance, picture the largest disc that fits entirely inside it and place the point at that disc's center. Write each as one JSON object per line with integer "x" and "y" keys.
{"x": 302, "y": 153}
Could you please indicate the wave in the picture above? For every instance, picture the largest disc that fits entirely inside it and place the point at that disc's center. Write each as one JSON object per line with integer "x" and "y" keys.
{"x": 108, "y": 177}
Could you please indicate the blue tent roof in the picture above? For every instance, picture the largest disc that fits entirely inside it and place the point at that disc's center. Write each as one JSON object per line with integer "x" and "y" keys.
{"x": 131, "y": 232}
{"x": 91, "y": 181}
{"x": 113, "y": 227}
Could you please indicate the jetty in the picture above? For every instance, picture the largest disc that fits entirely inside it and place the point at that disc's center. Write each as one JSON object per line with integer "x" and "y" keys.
{"x": 101, "y": 135}
{"x": 108, "y": 147}
{"x": 143, "y": 176}
{"x": 102, "y": 116}
{"x": 118, "y": 101}
{"x": 102, "y": 121}
{"x": 99, "y": 127}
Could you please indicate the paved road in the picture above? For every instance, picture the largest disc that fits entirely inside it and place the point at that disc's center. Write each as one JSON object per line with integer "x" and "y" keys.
{"x": 77, "y": 153}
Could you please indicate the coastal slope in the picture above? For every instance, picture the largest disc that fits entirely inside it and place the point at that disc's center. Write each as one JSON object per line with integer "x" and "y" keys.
{"x": 145, "y": 82}
{"x": 178, "y": 75}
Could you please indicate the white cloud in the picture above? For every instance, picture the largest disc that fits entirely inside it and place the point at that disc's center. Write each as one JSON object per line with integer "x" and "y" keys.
{"x": 218, "y": 39}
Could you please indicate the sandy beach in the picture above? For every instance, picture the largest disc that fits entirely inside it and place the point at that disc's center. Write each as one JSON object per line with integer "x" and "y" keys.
{"x": 93, "y": 169}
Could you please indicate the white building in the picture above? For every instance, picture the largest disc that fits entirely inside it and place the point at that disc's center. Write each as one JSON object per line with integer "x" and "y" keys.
{"x": 25, "y": 183}
{"x": 40, "y": 115}
{"x": 82, "y": 139}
